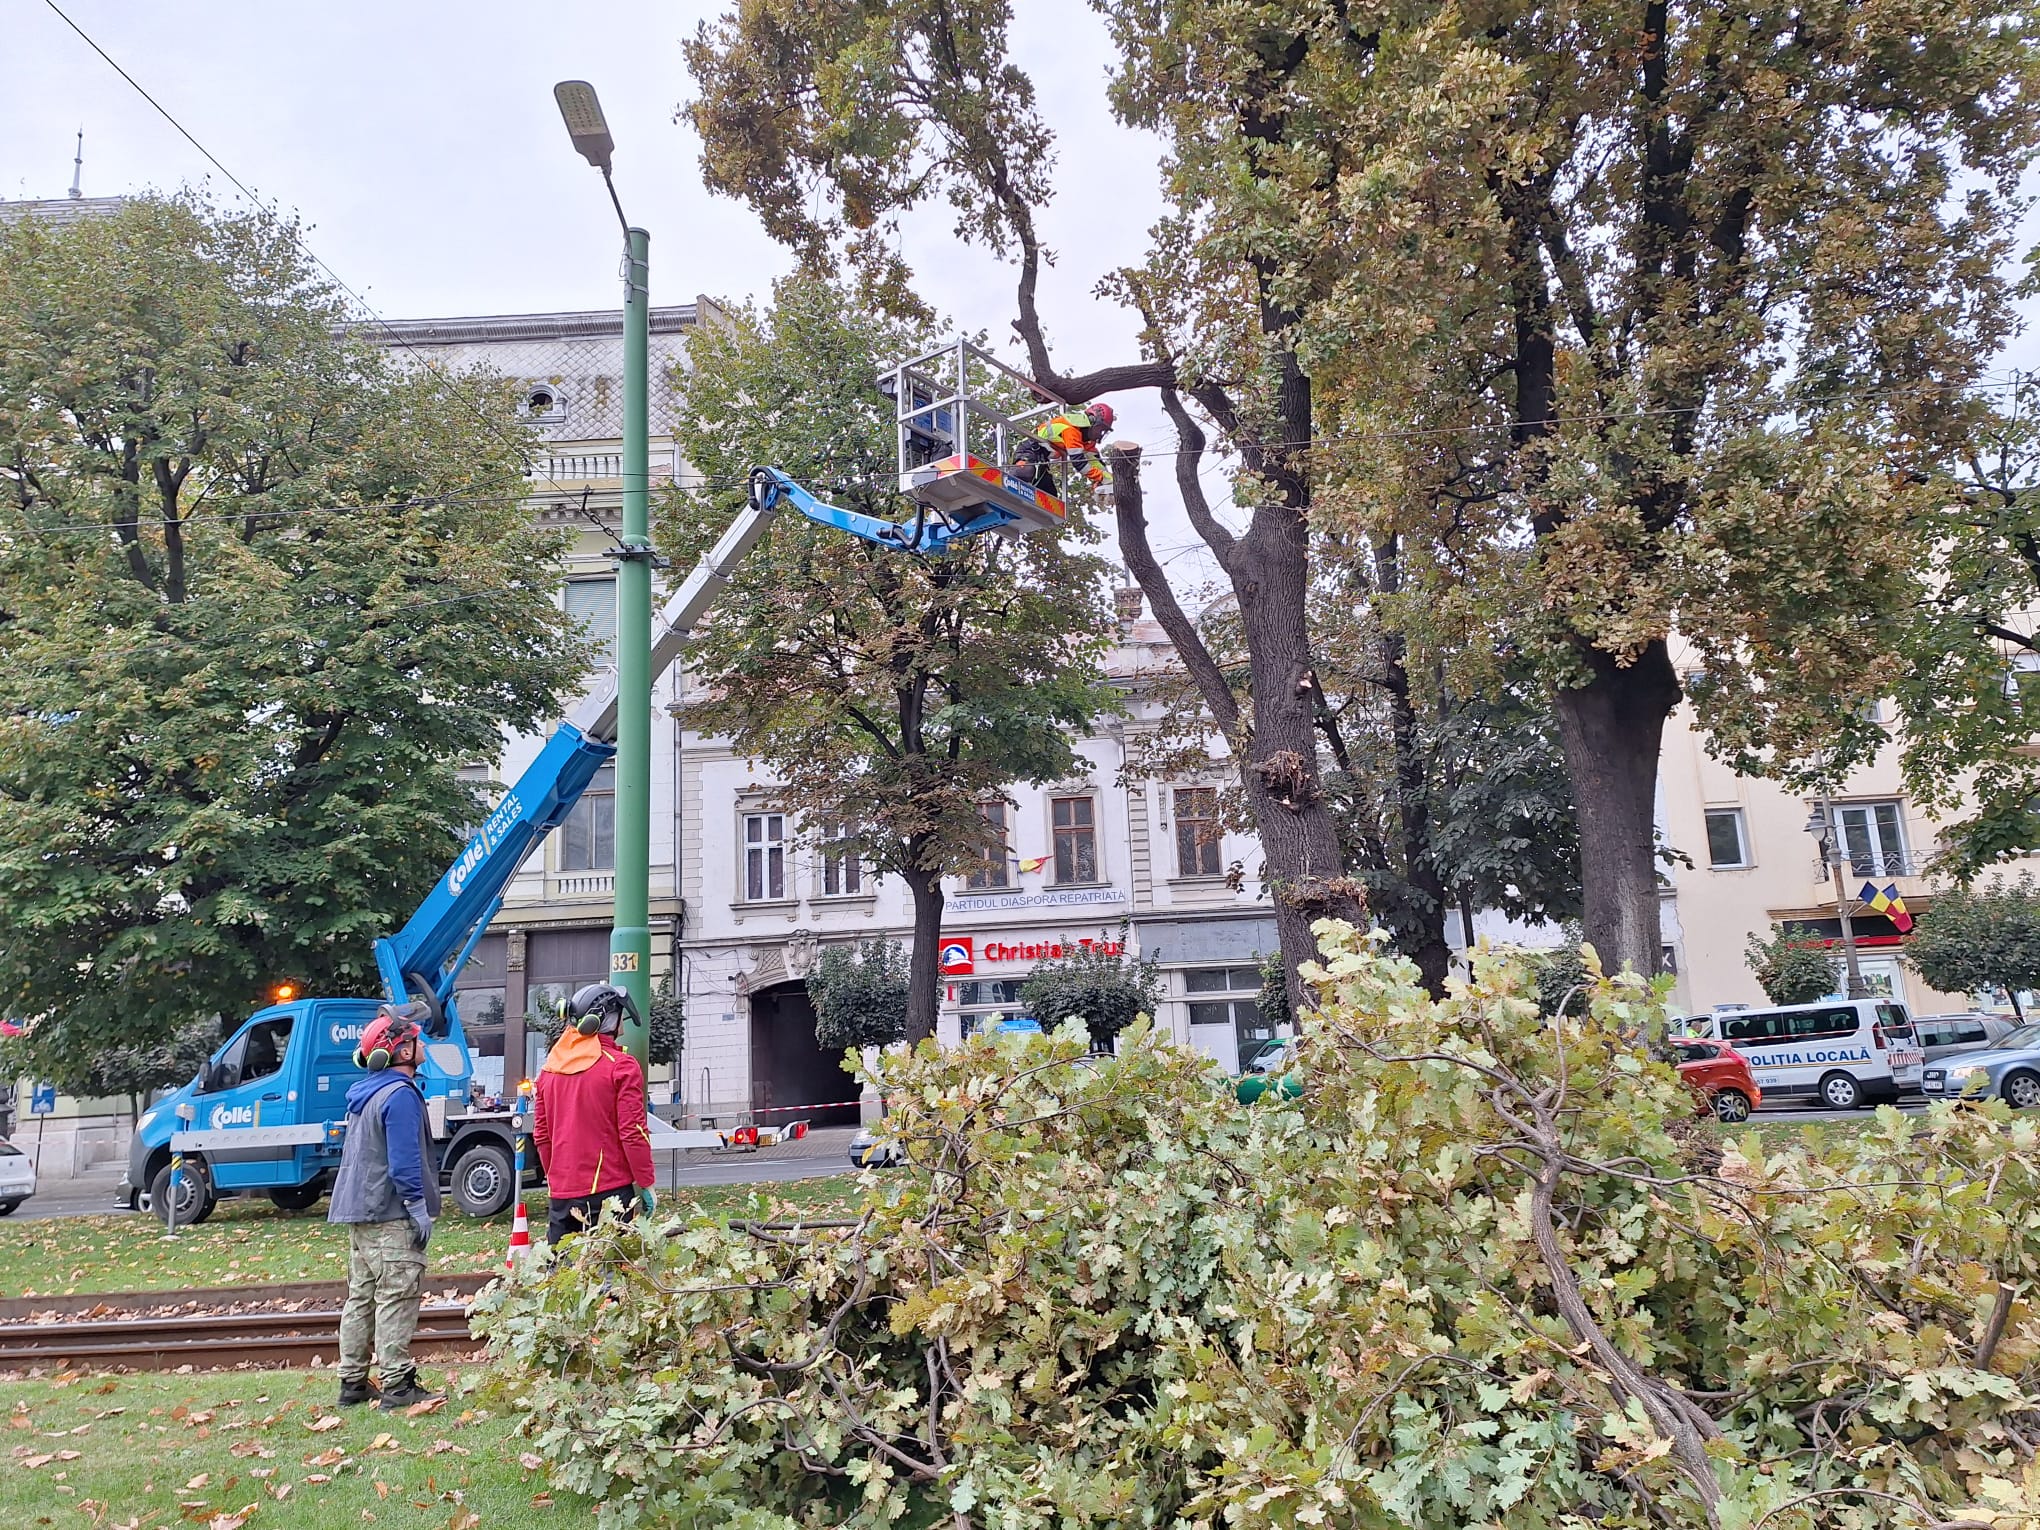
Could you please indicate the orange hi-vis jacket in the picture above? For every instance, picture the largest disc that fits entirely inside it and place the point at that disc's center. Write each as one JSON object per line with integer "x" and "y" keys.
{"x": 588, "y": 1118}
{"x": 1068, "y": 432}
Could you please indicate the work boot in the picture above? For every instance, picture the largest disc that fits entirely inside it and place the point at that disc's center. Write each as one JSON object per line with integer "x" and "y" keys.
{"x": 359, "y": 1390}
{"x": 403, "y": 1391}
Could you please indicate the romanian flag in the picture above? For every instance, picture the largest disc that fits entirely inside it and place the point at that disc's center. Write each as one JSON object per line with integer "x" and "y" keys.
{"x": 1035, "y": 864}
{"x": 1888, "y": 903}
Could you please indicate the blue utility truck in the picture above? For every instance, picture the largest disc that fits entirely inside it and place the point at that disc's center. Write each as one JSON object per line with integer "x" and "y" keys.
{"x": 266, "y": 1113}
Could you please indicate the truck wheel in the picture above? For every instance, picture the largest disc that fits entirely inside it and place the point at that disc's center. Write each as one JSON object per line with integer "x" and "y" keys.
{"x": 1840, "y": 1091}
{"x": 481, "y": 1180}
{"x": 294, "y": 1198}
{"x": 195, "y": 1199}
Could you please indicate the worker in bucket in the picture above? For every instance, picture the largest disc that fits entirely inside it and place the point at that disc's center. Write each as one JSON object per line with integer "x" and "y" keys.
{"x": 588, "y": 1116}
{"x": 386, "y": 1193}
{"x": 1072, "y": 436}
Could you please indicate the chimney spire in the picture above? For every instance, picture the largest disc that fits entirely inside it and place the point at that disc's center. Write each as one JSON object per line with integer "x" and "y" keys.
{"x": 78, "y": 168}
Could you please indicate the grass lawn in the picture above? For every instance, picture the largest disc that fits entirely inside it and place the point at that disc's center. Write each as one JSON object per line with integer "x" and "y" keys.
{"x": 170, "y": 1451}
{"x": 250, "y": 1242}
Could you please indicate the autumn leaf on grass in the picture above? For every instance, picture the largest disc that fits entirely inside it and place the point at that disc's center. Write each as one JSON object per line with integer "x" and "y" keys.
{"x": 280, "y": 1490}
{"x": 331, "y": 1457}
{"x": 197, "y": 1484}
{"x": 233, "y": 1521}
{"x": 530, "y": 1460}
{"x": 463, "y": 1519}
{"x": 320, "y": 1426}
{"x": 419, "y": 1410}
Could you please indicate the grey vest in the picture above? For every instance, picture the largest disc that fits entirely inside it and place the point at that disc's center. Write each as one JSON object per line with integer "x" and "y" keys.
{"x": 362, "y": 1191}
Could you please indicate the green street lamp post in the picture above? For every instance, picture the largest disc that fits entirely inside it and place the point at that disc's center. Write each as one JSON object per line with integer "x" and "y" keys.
{"x": 630, "y": 938}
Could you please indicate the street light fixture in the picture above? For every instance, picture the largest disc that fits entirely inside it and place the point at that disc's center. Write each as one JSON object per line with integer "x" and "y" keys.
{"x": 630, "y": 939}
{"x": 589, "y": 129}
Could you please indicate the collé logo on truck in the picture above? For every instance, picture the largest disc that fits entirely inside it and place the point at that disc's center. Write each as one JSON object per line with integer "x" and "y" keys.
{"x": 340, "y": 1034}
{"x": 491, "y": 834}
{"x": 231, "y": 1115}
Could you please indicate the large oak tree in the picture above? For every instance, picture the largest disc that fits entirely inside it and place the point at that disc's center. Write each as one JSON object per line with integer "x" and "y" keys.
{"x": 1679, "y": 281}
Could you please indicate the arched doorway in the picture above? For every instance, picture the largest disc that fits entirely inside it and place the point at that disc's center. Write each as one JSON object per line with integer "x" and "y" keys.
{"x": 790, "y": 1070}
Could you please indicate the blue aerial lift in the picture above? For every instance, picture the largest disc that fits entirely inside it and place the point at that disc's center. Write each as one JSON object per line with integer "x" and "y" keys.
{"x": 266, "y": 1112}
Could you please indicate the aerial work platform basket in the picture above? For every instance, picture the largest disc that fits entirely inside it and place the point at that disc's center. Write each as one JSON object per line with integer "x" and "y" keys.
{"x": 960, "y": 414}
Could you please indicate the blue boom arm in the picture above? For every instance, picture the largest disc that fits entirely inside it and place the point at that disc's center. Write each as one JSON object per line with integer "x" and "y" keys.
{"x": 415, "y": 962}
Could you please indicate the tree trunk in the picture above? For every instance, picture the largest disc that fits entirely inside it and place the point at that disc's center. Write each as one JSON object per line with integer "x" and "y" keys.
{"x": 1305, "y": 863}
{"x": 924, "y": 967}
{"x": 1422, "y": 939}
{"x": 1611, "y": 729}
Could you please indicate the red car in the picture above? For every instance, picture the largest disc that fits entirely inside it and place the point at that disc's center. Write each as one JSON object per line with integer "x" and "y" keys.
{"x": 1717, "y": 1073}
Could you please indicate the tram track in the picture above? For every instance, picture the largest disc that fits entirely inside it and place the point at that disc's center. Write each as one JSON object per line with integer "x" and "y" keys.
{"x": 220, "y": 1326}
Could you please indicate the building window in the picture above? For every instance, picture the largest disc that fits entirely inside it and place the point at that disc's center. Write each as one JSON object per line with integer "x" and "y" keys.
{"x": 1226, "y": 996}
{"x": 984, "y": 1000}
{"x": 842, "y": 871}
{"x": 544, "y": 404}
{"x": 1197, "y": 831}
{"x": 1726, "y": 849}
{"x": 764, "y": 857}
{"x": 991, "y": 870}
{"x": 1872, "y": 838}
{"x": 1075, "y": 823}
{"x": 592, "y": 603}
{"x": 588, "y": 835}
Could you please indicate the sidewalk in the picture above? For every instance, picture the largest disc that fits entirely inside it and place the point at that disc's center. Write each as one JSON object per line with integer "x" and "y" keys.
{"x": 824, "y": 1150}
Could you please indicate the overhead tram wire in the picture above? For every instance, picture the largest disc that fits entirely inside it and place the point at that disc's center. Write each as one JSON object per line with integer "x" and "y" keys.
{"x": 488, "y": 420}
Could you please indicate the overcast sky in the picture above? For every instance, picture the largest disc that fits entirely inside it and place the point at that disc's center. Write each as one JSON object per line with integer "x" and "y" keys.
{"x": 420, "y": 144}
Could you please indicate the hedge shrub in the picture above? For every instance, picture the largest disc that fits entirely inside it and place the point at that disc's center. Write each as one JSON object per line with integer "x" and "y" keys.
{"x": 1488, "y": 1271}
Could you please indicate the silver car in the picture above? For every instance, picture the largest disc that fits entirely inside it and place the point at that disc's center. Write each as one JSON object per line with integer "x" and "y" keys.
{"x": 17, "y": 1177}
{"x": 1945, "y": 1035}
{"x": 2009, "y": 1067}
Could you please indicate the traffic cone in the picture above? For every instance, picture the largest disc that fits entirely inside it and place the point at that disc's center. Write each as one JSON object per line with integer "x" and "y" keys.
{"x": 520, "y": 1239}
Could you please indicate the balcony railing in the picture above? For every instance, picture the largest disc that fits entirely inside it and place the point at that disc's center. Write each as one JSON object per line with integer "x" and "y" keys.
{"x": 569, "y": 466}
{"x": 584, "y": 884}
{"x": 1875, "y": 866}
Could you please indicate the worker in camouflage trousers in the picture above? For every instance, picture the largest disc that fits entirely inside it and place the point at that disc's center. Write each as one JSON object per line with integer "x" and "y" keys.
{"x": 588, "y": 1117}
{"x": 387, "y": 1194}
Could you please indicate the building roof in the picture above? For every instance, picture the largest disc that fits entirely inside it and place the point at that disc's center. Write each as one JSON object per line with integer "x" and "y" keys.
{"x": 60, "y": 210}
{"x": 483, "y": 328}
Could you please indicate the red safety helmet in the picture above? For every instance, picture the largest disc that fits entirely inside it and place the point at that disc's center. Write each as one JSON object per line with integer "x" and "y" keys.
{"x": 386, "y": 1035}
{"x": 1101, "y": 415}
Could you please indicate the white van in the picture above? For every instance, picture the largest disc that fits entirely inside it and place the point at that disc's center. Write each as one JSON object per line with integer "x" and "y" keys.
{"x": 1841, "y": 1053}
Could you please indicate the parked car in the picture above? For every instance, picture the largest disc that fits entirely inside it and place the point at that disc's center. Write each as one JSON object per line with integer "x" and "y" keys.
{"x": 868, "y": 1151}
{"x": 1719, "y": 1075}
{"x": 17, "y": 1177}
{"x": 1945, "y": 1035}
{"x": 1838, "y": 1053}
{"x": 2009, "y": 1068}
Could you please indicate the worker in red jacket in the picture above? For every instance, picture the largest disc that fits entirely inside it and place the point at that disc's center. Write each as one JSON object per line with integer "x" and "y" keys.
{"x": 588, "y": 1116}
{"x": 1073, "y": 436}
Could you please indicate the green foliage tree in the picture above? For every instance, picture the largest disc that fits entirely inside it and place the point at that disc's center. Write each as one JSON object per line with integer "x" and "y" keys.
{"x": 892, "y": 696}
{"x": 1974, "y": 939}
{"x": 127, "y": 1072}
{"x": 1487, "y": 1270}
{"x": 1793, "y": 966}
{"x": 1106, "y": 993}
{"x": 1590, "y": 319}
{"x": 860, "y": 995}
{"x": 262, "y": 592}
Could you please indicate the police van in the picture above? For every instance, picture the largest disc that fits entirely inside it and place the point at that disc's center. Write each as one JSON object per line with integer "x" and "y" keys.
{"x": 1840, "y": 1053}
